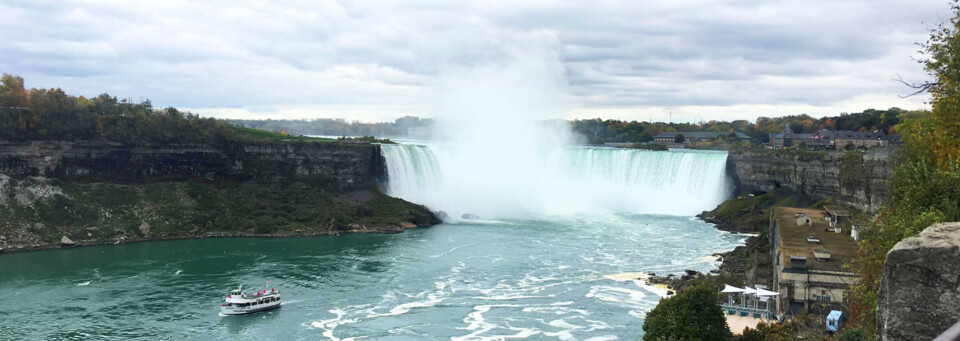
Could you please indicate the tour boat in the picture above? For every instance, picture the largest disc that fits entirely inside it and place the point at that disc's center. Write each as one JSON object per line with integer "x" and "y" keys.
{"x": 238, "y": 303}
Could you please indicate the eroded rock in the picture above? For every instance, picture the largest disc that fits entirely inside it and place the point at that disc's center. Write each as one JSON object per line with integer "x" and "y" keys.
{"x": 920, "y": 291}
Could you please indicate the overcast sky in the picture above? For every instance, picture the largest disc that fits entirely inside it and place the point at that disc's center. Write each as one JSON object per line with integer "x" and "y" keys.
{"x": 379, "y": 60}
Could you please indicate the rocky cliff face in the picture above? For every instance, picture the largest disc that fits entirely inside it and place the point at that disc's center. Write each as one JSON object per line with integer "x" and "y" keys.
{"x": 346, "y": 167}
{"x": 55, "y": 194}
{"x": 857, "y": 180}
{"x": 920, "y": 292}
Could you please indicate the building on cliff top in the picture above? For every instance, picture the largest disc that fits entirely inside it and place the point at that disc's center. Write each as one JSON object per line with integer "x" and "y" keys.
{"x": 695, "y": 136}
{"x": 808, "y": 261}
{"x": 832, "y": 140}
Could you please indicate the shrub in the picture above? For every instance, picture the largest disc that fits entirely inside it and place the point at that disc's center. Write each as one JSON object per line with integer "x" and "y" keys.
{"x": 693, "y": 314}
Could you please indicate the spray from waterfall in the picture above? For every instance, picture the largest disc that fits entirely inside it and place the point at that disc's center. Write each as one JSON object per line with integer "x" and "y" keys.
{"x": 569, "y": 180}
{"x": 495, "y": 153}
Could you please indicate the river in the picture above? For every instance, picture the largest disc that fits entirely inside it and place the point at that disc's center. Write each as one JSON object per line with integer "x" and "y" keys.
{"x": 533, "y": 275}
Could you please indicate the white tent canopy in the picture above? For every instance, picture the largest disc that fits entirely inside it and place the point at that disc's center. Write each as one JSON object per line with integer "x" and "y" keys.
{"x": 728, "y": 289}
{"x": 762, "y": 292}
{"x": 749, "y": 291}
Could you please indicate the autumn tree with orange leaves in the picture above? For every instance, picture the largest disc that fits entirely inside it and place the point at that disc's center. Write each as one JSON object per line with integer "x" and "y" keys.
{"x": 926, "y": 184}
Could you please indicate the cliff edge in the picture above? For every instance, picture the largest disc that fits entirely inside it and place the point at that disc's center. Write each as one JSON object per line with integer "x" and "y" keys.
{"x": 55, "y": 193}
{"x": 857, "y": 180}
{"x": 920, "y": 291}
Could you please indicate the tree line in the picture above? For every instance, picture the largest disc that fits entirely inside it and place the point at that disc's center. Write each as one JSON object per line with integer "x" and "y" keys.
{"x": 52, "y": 114}
{"x": 338, "y": 126}
{"x": 597, "y": 130}
{"x": 925, "y": 191}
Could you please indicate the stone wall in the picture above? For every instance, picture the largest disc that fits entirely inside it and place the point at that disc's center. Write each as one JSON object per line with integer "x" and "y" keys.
{"x": 857, "y": 180}
{"x": 345, "y": 166}
{"x": 920, "y": 291}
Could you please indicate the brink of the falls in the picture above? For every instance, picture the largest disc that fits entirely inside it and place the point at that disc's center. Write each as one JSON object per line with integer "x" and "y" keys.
{"x": 567, "y": 180}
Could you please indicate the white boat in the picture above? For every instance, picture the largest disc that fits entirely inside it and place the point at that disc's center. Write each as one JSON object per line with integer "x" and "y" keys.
{"x": 238, "y": 303}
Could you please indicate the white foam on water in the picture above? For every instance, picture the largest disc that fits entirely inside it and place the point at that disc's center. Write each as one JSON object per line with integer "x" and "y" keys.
{"x": 329, "y": 325}
{"x": 432, "y": 299}
{"x": 476, "y": 324}
{"x": 627, "y": 276}
{"x": 504, "y": 297}
{"x": 563, "y": 324}
{"x": 602, "y": 338}
{"x": 565, "y": 335}
{"x": 178, "y": 272}
{"x": 83, "y": 284}
{"x": 617, "y": 295}
{"x": 556, "y": 310}
{"x": 451, "y": 250}
{"x": 658, "y": 289}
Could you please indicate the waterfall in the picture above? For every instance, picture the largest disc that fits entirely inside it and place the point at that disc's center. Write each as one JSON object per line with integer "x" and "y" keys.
{"x": 562, "y": 181}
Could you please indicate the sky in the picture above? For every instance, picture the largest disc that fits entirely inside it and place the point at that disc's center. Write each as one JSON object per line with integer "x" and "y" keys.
{"x": 378, "y": 60}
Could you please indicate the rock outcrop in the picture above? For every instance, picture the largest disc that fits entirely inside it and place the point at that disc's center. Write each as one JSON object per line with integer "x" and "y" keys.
{"x": 346, "y": 166}
{"x": 66, "y": 241}
{"x": 58, "y": 194}
{"x": 856, "y": 180}
{"x": 920, "y": 292}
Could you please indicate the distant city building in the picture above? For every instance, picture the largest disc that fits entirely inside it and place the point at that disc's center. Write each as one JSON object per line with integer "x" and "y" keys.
{"x": 831, "y": 140}
{"x": 694, "y": 136}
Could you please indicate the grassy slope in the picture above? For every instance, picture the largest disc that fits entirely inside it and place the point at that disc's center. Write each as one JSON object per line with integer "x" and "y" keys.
{"x": 183, "y": 209}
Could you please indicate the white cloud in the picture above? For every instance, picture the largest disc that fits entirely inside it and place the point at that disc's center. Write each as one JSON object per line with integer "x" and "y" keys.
{"x": 378, "y": 60}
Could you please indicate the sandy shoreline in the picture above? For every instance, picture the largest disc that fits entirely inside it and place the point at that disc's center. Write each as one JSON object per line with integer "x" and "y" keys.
{"x": 643, "y": 280}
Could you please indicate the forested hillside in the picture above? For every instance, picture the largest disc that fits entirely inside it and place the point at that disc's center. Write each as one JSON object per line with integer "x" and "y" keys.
{"x": 52, "y": 114}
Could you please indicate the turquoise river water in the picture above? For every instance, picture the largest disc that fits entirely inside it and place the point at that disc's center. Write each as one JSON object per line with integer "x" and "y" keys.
{"x": 539, "y": 276}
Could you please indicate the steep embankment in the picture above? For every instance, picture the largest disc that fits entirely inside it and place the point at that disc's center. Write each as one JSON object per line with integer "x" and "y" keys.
{"x": 855, "y": 180}
{"x": 54, "y": 193}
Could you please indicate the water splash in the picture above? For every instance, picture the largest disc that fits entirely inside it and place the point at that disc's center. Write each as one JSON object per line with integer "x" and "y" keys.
{"x": 569, "y": 180}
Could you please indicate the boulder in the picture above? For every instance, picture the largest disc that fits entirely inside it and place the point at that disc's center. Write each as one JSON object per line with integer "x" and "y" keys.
{"x": 66, "y": 241}
{"x": 145, "y": 229}
{"x": 919, "y": 294}
{"x": 408, "y": 225}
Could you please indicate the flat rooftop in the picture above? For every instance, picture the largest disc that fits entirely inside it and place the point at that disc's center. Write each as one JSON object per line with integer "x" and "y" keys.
{"x": 793, "y": 240}
{"x": 837, "y": 210}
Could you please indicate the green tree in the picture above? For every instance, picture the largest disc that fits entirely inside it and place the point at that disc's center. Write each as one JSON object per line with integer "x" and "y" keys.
{"x": 693, "y": 314}
{"x": 769, "y": 332}
{"x": 679, "y": 139}
{"x": 926, "y": 183}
